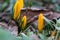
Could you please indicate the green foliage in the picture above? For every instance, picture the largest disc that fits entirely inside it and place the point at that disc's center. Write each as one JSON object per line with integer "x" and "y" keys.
{"x": 6, "y": 1}
{"x": 28, "y": 3}
{"x": 58, "y": 23}
{"x": 42, "y": 36}
{"x": 6, "y": 35}
{"x": 57, "y": 8}
{"x": 33, "y": 3}
{"x": 49, "y": 1}
{"x": 57, "y": 26}
{"x": 3, "y": 6}
{"x": 24, "y": 37}
{"x": 49, "y": 24}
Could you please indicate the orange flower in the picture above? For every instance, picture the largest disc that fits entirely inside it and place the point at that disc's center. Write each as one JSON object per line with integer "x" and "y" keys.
{"x": 40, "y": 22}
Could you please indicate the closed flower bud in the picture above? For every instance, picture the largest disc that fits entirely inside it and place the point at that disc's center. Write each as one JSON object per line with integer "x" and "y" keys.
{"x": 24, "y": 22}
{"x": 17, "y": 8}
{"x": 40, "y": 22}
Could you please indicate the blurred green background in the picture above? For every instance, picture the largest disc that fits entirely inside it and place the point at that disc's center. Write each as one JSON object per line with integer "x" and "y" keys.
{"x": 7, "y": 5}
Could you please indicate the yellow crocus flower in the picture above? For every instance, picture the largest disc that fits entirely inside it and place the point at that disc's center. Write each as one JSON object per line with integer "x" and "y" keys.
{"x": 17, "y": 8}
{"x": 21, "y": 3}
{"x": 40, "y": 22}
{"x": 24, "y": 22}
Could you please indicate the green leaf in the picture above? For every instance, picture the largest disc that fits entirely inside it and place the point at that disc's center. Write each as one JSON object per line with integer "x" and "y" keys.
{"x": 48, "y": 22}
{"x": 25, "y": 37}
{"x": 5, "y": 35}
{"x": 42, "y": 37}
{"x": 29, "y": 33}
{"x": 4, "y": 5}
{"x": 58, "y": 23}
{"x": 57, "y": 26}
{"x": 50, "y": 38}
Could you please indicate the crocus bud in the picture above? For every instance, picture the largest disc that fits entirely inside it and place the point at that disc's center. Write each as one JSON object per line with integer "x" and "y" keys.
{"x": 40, "y": 22}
